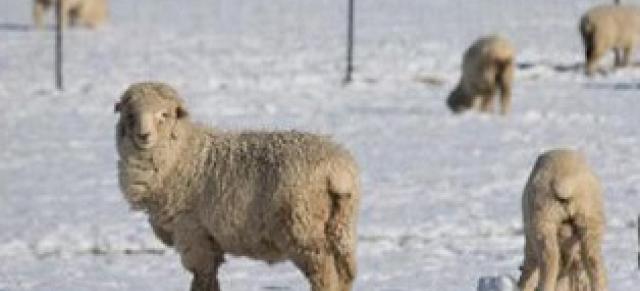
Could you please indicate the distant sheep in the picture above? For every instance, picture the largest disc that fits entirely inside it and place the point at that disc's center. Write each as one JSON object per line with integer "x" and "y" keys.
{"x": 563, "y": 223}
{"x": 89, "y": 13}
{"x": 487, "y": 66}
{"x": 609, "y": 27}
{"x": 270, "y": 196}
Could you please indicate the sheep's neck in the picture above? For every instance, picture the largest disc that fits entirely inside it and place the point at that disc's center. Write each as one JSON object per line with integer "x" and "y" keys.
{"x": 180, "y": 165}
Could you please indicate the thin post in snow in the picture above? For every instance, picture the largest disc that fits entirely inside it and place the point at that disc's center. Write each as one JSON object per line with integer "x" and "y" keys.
{"x": 58, "y": 49}
{"x": 638, "y": 241}
{"x": 350, "y": 12}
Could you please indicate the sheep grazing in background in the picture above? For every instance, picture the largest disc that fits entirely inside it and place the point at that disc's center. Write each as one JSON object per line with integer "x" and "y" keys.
{"x": 487, "y": 66}
{"x": 563, "y": 223}
{"x": 271, "y": 196}
{"x": 609, "y": 27}
{"x": 89, "y": 13}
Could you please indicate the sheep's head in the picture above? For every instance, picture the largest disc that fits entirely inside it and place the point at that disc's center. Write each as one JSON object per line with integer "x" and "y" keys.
{"x": 149, "y": 113}
{"x": 458, "y": 100}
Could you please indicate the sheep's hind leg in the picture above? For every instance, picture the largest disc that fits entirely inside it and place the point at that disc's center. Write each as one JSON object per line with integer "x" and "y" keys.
{"x": 38, "y": 13}
{"x": 319, "y": 268}
{"x": 529, "y": 276}
{"x": 345, "y": 265}
{"x": 549, "y": 258}
{"x": 346, "y": 277}
{"x": 590, "y": 245}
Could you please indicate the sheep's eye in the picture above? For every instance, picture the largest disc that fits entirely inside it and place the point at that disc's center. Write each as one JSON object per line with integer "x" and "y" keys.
{"x": 131, "y": 119}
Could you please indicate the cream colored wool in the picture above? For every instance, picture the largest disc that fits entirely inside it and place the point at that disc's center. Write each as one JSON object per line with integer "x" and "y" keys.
{"x": 487, "y": 67}
{"x": 609, "y": 27}
{"x": 564, "y": 224}
{"x": 270, "y": 196}
{"x": 91, "y": 13}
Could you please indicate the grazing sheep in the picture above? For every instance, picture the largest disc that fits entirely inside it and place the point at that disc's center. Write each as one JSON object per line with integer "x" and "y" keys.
{"x": 563, "y": 223}
{"x": 270, "y": 196}
{"x": 487, "y": 66}
{"x": 607, "y": 27}
{"x": 90, "y": 13}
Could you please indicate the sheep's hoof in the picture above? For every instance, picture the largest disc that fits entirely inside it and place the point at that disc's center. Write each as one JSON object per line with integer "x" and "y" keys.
{"x": 203, "y": 283}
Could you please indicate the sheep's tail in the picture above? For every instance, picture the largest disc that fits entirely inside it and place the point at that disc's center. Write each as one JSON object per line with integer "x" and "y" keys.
{"x": 343, "y": 188}
{"x": 564, "y": 188}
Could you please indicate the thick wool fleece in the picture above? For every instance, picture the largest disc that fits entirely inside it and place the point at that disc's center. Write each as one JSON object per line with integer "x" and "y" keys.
{"x": 271, "y": 196}
{"x": 91, "y": 13}
{"x": 609, "y": 27}
{"x": 564, "y": 222}
{"x": 487, "y": 67}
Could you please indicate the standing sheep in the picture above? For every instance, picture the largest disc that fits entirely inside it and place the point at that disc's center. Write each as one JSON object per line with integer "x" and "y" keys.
{"x": 90, "y": 13}
{"x": 270, "y": 196}
{"x": 607, "y": 27}
{"x": 487, "y": 66}
{"x": 563, "y": 224}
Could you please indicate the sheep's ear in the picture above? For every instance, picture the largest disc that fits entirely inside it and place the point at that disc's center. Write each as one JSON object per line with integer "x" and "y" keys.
{"x": 181, "y": 112}
{"x": 117, "y": 107}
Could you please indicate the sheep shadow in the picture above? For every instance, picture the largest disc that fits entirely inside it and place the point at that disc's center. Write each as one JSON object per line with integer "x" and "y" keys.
{"x": 618, "y": 86}
{"x": 560, "y": 68}
{"x": 8, "y": 26}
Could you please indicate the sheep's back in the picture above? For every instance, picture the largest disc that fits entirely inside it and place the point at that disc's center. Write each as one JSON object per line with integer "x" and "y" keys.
{"x": 481, "y": 60}
{"x": 562, "y": 180}
{"x": 614, "y": 24}
{"x": 269, "y": 190}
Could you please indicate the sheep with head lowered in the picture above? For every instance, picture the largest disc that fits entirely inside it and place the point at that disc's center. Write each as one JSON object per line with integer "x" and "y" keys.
{"x": 271, "y": 196}
{"x": 89, "y": 13}
{"x": 487, "y": 66}
{"x": 564, "y": 223}
{"x": 608, "y": 27}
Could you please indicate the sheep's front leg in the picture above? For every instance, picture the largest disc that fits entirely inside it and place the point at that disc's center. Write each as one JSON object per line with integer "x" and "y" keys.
{"x": 549, "y": 256}
{"x": 206, "y": 280}
{"x": 617, "y": 60}
{"x": 594, "y": 52}
{"x": 199, "y": 254}
{"x": 626, "y": 55}
{"x": 38, "y": 13}
{"x": 506, "y": 79}
{"x": 204, "y": 265}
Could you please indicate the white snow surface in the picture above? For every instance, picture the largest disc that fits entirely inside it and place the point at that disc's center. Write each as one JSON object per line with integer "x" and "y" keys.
{"x": 441, "y": 193}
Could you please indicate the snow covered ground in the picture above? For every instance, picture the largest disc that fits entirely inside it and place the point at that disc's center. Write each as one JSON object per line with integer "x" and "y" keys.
{"x": 441, "y": 201}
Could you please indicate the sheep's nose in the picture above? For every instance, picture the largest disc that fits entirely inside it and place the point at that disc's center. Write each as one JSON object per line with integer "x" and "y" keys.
{"x": 144, "y": 136}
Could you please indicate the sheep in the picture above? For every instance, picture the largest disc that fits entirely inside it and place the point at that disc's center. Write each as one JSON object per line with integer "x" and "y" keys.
{"x": 90, "y": 13}
{"x": 606, "y": 27}
{"x": 487, "y": 66}
{"x": 267, "y": 195}
{"x": 563, "y": 222}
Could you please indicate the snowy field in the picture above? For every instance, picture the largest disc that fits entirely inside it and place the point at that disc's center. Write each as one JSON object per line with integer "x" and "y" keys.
{"x": 441, "y": 197}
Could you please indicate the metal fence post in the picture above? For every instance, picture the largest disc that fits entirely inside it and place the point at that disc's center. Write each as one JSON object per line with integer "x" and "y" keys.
{"x": 58, "y": 49}
{"x": 350, "y": 12}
